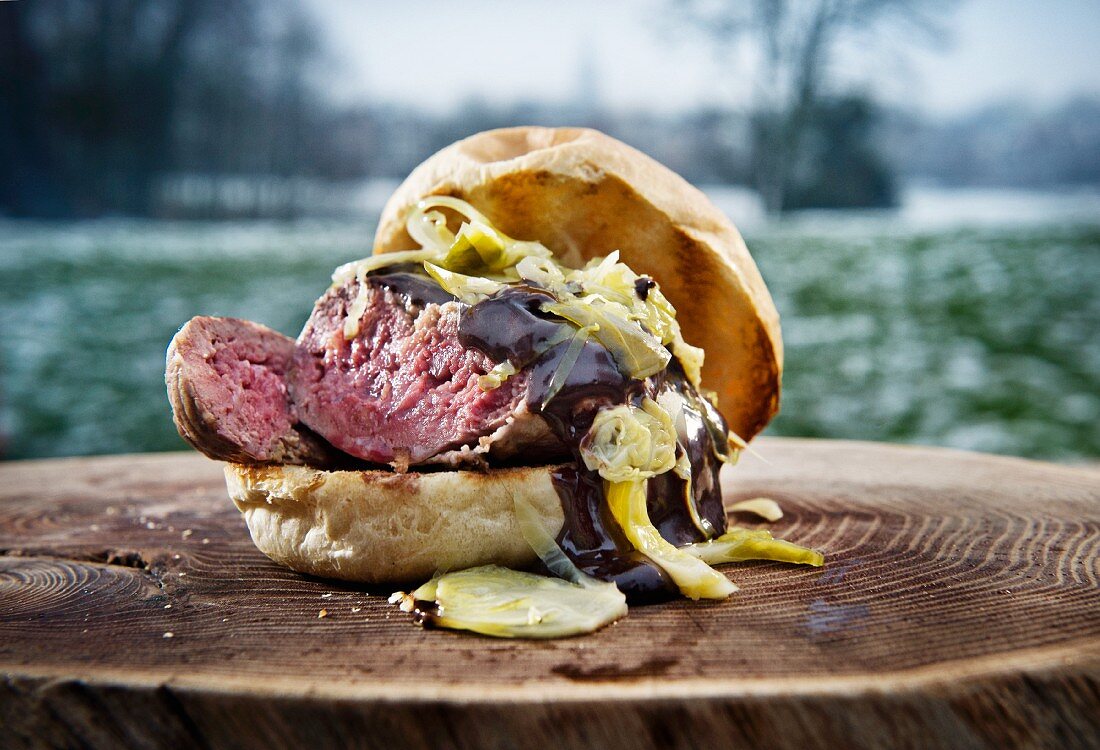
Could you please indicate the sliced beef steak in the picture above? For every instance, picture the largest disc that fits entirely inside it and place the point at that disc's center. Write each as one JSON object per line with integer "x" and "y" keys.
{"x": 226, "y": 382}
{"x": 403, "y": 390}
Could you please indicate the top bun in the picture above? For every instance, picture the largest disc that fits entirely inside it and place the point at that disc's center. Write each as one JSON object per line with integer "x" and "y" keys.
{"x": 583, "y": 195}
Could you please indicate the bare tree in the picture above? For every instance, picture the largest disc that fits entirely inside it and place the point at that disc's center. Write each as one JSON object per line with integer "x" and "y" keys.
{"x": 793, "y": 43}
{"x": 101, "y": 101}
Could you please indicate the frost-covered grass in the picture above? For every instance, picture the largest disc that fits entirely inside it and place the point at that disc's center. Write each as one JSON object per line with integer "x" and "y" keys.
{"x": 984, "y": 338}
{"x": 987, "y": 340}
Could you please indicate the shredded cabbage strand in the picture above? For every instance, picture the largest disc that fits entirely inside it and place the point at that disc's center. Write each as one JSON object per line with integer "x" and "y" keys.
{"x": 608, "y": 282}
{"x": 694, "y": 578}
{"x": 747, "y": 544}
{"x": 496, "y": 376}
{"x": 506, "y": 603}
{"x": 626, "y": 443}
{"x": 637, "y": 353}
{"x": 468, "y": 289}
{"x": 683, "y": 470}
{"x": 568, "y": 360}
{"x": 764, "y": 507}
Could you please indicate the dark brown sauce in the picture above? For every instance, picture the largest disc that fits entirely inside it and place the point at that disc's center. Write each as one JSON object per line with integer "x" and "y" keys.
{"x": 510, "y": 326}
{"x": 419, "y": 289}
{"x": 667, "y": 504}
{"x": 592, "y": 539}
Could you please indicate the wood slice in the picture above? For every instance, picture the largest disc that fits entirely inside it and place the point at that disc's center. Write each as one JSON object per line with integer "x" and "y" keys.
{"x": 959, "y": 607}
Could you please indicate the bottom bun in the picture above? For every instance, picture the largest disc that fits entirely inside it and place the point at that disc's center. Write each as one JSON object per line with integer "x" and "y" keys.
{"x": 384, "y": 527}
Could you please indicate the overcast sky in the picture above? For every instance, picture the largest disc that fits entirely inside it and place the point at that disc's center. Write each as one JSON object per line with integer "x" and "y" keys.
{"x": 634, "y": 54}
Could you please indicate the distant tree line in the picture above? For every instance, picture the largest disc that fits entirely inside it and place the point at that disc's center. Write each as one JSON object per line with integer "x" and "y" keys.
{"x": 207, "y": 108}
{"x": 1004, "y": 145}
{"x": 100, "y": 99}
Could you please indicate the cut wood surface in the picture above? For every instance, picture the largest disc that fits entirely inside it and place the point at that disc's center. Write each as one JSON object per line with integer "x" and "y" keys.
{"x": 959, "y": 607}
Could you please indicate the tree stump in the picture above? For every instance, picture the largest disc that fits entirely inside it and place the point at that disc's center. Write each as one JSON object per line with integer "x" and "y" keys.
{"x": 959, "y": 606}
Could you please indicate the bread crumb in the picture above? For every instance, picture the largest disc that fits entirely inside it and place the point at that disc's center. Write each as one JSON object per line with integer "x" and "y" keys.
{"x": 325, "y": 596}
{"x": 168, "y": 606}
{"x": 150, "y": 525}
{"x": 169, "y": 634}
{"x": 182, "y": 575}
{"x": 356, "y": 609}
{"x": 186, "y": 533}
{"x": 205, "y": 540}
{"x": 322, "y": 613}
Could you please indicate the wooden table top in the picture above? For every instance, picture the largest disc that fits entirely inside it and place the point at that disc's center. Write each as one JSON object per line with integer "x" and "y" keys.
{"x": 959, "y": 606}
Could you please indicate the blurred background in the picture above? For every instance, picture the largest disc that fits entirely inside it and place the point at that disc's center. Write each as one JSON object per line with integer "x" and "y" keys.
{"x": 919, "y": 182}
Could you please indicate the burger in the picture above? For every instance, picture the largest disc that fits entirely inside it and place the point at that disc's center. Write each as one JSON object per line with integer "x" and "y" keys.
{"x": 514, "y": 380}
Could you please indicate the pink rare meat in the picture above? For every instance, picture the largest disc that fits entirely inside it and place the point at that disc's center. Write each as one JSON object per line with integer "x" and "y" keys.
{"x": 403, "y": 389}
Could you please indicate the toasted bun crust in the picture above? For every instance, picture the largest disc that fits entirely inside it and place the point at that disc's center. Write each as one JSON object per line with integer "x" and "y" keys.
{"x": 383, "y": 527}
{"x": 583, "y": 194}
